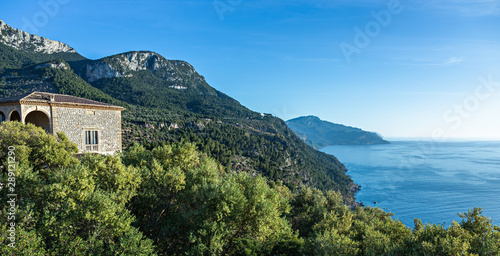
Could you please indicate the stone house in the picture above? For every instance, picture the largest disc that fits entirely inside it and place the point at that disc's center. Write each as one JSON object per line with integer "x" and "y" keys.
{"x": 94, "y": 126}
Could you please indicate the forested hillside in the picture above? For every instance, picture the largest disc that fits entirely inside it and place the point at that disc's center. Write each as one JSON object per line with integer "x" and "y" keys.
{"x": 318, "y": 133}
{"x": 13, "y": 58}
{"x": 168, "y": 101}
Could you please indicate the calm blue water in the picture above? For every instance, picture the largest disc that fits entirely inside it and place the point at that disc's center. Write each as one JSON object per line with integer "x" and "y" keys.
{"x": 432, "y": 181}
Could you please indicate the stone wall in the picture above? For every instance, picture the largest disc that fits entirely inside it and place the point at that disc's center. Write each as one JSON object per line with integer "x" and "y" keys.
{"x": 75, "y": 121}
{"x": 7, "y": 110}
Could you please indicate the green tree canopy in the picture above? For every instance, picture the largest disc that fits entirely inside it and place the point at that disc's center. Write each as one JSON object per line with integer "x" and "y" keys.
{"x": 174, "y": 200}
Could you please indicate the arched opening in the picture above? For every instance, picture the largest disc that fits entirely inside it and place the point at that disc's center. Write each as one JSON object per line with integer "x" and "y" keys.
{"x": 39, "y": 119}
{"x": 2, "y": 117}
{"x": 14, "y": 116}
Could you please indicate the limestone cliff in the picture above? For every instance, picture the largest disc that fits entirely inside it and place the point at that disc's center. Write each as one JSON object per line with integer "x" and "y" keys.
{"x": 123, "y": 65}
{"x": 54, "y": 64}
{"x": 25, "y": 41}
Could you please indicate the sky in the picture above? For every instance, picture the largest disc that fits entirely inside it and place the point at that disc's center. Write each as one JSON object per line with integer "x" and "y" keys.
{"x": 408, "y": 68}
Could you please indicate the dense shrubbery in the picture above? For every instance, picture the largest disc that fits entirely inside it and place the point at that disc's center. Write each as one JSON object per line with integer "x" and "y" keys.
{"x": 67, "y": 206}
{"x": 174, "y": 200}
{"x": 189, "y": 205}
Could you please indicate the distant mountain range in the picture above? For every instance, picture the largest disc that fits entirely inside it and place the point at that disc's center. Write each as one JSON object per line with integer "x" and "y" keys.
{"x": 318, "y": 133}
{"x": 168, "y": 101}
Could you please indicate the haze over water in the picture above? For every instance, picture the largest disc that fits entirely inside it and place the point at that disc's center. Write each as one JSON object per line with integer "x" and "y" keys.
{"x": 432, "y": 181}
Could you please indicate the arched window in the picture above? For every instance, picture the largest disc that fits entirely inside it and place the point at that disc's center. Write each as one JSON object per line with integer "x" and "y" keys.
{"x": 14, "y": 116}
{"x": 2, "y": 117}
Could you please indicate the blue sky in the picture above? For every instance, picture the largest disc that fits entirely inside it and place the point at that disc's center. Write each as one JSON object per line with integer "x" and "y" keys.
{"x": 418, "y": 68}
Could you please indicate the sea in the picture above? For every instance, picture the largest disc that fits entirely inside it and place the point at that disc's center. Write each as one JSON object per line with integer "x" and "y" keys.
{"x": 429, "y": 180}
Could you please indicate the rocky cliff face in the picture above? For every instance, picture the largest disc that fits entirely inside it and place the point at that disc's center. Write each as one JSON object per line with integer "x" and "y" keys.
{"x": 61, "y": 65}
{"x": 136, "y": 61}
{"x": 99, "y": 70}
{"x": 122, "y": 65}
{"x": 31, "y": 43}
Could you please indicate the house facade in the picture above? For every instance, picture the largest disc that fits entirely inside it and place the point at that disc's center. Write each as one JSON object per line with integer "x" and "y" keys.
{"x": 94, "y": 126}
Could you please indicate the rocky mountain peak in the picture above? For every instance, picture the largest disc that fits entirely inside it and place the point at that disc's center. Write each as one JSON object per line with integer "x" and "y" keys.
{"x": 25, "y": 41}
{"x": 143, "y": 60}
{"x": 122, "y": 65}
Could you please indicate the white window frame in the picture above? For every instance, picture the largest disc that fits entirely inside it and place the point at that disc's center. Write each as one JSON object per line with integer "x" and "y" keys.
{"x": 91, "y": 140}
